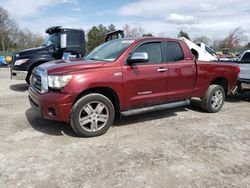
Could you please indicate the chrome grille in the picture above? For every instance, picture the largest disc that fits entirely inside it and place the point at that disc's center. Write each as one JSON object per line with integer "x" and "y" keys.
{"x": 36, "y": 82}
{"x": 39, "y": 80}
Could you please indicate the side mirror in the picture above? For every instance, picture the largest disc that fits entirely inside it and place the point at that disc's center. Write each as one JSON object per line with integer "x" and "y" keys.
{"x": 63, "y": 41}
{"x": 138, "y": 57}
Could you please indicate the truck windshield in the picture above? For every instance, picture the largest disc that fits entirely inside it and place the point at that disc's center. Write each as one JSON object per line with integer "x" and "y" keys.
{"x": 52, "y": 40}
{"x": 109, "y": 51}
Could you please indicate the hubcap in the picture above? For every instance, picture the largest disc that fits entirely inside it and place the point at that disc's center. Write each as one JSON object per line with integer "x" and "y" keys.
{"x": 217, "y": 99}
{"x": 93, "y": 116}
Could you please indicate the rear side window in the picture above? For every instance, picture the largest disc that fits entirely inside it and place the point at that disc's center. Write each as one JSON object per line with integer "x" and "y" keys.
{"x": 174, "y": 52}
{"x": 73, "y": 39}
{"x": 246, "y": 57}
{"x": 209, "y": 50}
{"x": 153, "y": 49}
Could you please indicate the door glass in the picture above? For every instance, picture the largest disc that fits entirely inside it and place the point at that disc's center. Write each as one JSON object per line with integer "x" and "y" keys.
{"x": 174, "y": 52}
{"x": 153, "y": 50}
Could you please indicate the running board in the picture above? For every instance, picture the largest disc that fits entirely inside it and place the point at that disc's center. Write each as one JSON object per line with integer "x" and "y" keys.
{"x": 155, "y": 108}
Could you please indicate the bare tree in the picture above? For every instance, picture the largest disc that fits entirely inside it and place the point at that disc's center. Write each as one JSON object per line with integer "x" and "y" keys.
{"x": 133, "y": 32}
{"x": 8, "y": 28}
{"x": 27, "y": 39}
{"x": 233, "y": 39}
{"x": 202, "y": 39}
{"x": 12, "y": 37}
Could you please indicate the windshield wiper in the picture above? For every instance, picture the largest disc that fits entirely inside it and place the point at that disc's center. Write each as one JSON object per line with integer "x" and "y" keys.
{"x": 94, "y": 59}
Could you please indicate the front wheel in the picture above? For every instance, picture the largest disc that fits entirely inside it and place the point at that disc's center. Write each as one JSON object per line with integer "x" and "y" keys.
{"x": 214, "y": 99}
{"x": 92, "y": 115}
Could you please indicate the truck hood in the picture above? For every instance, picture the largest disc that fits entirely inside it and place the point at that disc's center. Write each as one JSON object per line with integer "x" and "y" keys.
{"x": 244, "y": 71}
{"x": 34, "y": 51}
{"x": 70, "y": 66}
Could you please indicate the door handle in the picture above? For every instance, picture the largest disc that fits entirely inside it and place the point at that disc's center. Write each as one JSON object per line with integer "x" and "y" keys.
{"x": 162, "y": 69}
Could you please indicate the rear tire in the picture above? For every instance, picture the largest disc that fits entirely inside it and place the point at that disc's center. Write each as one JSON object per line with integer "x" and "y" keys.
{"x": 92, "y": 115}
{"x": 214, "y": 99}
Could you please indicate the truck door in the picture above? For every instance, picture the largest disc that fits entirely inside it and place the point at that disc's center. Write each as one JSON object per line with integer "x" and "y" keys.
{"x": 181, "y": 71}
{"x": 145, "y": 82}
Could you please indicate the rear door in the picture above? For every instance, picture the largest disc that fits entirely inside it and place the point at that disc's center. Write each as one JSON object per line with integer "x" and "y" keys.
{"x": 145, "y": 82}
{"x": 181, "y": 71}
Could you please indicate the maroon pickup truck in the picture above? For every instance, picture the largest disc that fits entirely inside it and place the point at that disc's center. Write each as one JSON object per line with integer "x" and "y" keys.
{"x": 126, "y": 77}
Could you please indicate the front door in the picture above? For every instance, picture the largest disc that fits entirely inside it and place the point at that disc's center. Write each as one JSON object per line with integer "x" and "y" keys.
{"x": 145, "y": 82}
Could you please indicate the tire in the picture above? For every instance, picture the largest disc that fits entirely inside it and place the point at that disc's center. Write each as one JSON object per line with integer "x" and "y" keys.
{"x": 214, "y": 99}
{"x": 28, "y": 75}
{"x": 92, "y": 115}
{"x": 28, "y": 78}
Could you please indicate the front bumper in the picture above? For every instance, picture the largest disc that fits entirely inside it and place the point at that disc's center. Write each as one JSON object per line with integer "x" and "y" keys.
{"x": 52, "y": 105}
{"x": 18, "y": 75}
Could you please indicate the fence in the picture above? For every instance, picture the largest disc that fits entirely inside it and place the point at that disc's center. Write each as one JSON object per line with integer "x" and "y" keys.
{"x": 6, "y": 53}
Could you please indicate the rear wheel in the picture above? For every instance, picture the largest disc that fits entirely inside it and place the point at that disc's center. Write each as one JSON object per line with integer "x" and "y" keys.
{"x": 214, "y": 99}
{"x": 92, "y": 115}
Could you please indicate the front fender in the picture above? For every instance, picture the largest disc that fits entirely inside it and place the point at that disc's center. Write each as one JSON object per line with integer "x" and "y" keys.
{"x": 100, "y": 78}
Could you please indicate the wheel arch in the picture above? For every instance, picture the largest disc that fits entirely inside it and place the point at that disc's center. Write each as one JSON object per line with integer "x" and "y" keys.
{"x": 107, "y": 92}
{"x": 35, "y": 64}
{"x": 223, "y": 82}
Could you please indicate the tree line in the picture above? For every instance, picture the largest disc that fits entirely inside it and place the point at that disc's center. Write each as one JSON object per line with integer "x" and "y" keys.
{"x": 13, "y": 38}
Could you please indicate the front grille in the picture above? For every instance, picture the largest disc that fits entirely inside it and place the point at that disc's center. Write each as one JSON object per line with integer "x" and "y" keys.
{"x": 36, "y": 82}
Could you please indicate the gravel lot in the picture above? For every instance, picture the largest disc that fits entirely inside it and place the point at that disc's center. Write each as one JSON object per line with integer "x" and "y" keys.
{"x": 183, "y": 147}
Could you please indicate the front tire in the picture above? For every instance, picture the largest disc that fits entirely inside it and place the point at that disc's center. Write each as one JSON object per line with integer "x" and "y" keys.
{"x": 92, "y": 115}
{"x": 214, "y": 99}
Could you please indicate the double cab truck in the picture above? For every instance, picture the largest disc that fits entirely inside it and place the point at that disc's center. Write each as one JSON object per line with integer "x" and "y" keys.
{"x": 59, "y": 41}
{"x": 127, "y": 76}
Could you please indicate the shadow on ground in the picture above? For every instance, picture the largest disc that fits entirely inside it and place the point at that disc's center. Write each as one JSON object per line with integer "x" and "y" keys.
{"x": 195, "y": 105}
{"x": 19, "y": 87}
{"x": 59, "y": 128}
{"x": 46, "y": 126}
{"x": 238, "y": 97}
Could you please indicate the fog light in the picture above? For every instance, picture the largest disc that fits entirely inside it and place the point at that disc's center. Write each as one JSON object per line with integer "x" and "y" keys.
{"x": 51, "y": 112}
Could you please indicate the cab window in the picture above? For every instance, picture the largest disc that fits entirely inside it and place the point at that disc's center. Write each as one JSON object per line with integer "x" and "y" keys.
{"x": 174, "y": 52}
{"x": 153, "y": 49}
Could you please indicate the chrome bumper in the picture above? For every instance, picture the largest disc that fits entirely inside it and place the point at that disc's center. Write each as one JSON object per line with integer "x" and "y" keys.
{"x": 18, "y": 75}
{"x": 245, "y": 85}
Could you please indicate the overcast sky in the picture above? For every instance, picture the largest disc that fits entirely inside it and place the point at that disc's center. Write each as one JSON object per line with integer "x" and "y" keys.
{"x": 212, "y": 18}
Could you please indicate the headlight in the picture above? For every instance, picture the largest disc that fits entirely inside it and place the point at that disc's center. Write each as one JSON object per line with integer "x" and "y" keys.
{"x": 21, "y": 61}
{"x": 58, "y": 82}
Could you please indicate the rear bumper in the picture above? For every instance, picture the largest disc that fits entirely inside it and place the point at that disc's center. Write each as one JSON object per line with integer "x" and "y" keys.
{"x": 244, "y": 84}
{"x": 52, "y": 105}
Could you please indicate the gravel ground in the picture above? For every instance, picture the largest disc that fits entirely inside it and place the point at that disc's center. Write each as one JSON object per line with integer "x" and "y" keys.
{"x": 183, "y": 147}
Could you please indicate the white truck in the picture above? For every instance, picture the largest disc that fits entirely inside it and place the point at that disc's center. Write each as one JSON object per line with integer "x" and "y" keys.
{"x": 201, "y": 50}
{"x": 244, "y": 76}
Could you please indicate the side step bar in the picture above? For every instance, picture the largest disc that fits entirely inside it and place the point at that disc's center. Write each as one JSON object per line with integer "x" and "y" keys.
{"x": 155, "y": 108}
